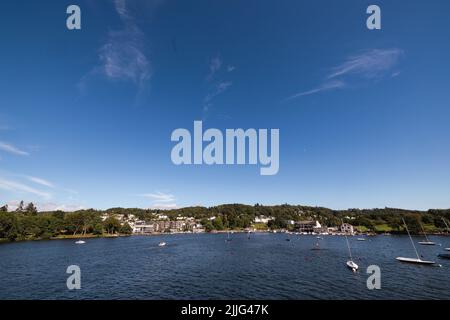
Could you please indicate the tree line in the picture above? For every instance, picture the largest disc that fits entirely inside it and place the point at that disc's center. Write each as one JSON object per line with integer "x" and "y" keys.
{"x": 27, "y": 223}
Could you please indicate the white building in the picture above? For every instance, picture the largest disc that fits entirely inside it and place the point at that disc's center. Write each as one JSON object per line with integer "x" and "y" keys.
{"x": 262, "y": 219}
{"x": 347, "y": 228}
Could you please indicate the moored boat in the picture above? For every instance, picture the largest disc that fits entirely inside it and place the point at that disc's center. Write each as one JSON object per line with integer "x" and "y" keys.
{"x": 353, "y": 266}
{"x": 427, "y": 243}
{"x": 413, "y": 260}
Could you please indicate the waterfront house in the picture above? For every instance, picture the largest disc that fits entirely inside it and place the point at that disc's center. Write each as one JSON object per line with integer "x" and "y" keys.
{"x": 263, "y": 219}
{"x": 308, "y": 226}
{"x": 347, "y": 228}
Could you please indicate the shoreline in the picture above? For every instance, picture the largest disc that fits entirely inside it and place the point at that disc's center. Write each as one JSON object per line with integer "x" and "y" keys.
{"x": 106, "y": 236}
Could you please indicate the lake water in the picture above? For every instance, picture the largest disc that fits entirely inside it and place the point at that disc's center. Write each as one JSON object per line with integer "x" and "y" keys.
{"x": 205, "y": 266}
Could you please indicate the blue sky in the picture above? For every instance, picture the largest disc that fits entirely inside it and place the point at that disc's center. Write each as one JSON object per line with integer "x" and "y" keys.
{"x": 86, "y": 116}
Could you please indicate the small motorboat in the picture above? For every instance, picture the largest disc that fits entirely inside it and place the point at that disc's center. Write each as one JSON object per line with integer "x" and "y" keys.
{"x": 162, "y": 244}
{"x": 353, "y": 266}
{"x": 413, "y": 260}
{"x": 287, "y": 239}
{"x": 361, "y": 239}
{"x": 80, "y": 242}
{"x": 444, "y": 255}
{"x": 319, "y": 237}
{"x": 448, "y": 249}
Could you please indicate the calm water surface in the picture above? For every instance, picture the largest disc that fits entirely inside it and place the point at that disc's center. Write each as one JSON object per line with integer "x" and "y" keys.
{"x": 205, "y": 266}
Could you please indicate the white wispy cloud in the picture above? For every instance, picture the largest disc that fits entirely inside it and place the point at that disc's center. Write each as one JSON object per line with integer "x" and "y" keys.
{"x": 41, "y": 181}
{"x": 216, "y": 84}
{"x": 121, "y": 8}
{"x": 158, "y": 196}
{"x": 330, "y": 85}
{"x": 369, "y": 64}
{"x": 214, "y": 66}
{"x": 47, "y": 206}
{"x": 164, "y": 206}
{"x": 12, "y": 149}
{"x": 161, "y": 200}
{"x": 51, "y": 206}
{"x": 18, "y": 187}
{"x": 365, "y": 66}
{"x": 219, "y": 89}
{"x": 123, "y": 56}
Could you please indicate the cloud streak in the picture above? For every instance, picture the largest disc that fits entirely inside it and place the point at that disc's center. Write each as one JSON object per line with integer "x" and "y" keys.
{"x": 159, "y": 196}
{"x": 17, "y": 187}
{"x": 214, "y": 66}
{"x": 51, "y": 206}
{"x": 12, "y": 149}
{"x": 122, "y": 56}
{"x": 217, "y": 86}
{"x": 324, "y": 87}
{"x": 368, "y": 65}
{"x": 160, "y": 200}
{"x": 41, "y": 181}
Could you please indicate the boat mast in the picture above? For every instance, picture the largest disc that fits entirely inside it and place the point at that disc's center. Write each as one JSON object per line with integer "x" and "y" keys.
{"x": 348, "y": 244}
{"x": 412, "y": 242}
{"x": 424, "y": 233}
{"x": 446, "y": 225}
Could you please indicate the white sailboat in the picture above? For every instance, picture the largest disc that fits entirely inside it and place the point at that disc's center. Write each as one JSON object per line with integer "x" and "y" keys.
{"x": 351, "y": 264}
{"x": 413, "y": 260}
{"x": 427, "y": 242}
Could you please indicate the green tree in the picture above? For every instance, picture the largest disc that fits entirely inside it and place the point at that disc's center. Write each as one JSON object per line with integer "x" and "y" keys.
{"x": 4, "y": 208}
{"x": 8, "y": 226}
{"x": 125, "y": 229}
{"x": 98, "y": 229}
{"x": 112, "y": 225}
{"x": 31, "y": 209}
{"x": 218, "y": 223}
{"x": 19, "y": 208}
{"x": 207, "y": 224}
